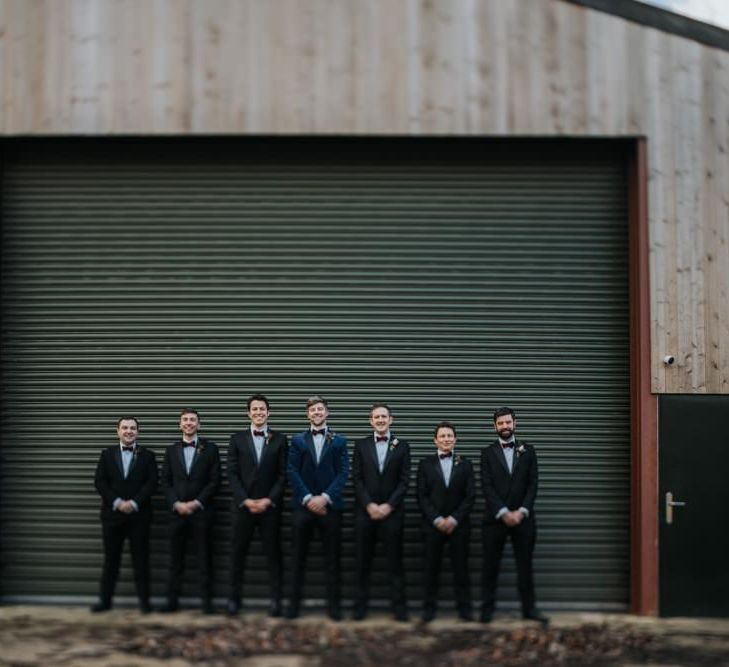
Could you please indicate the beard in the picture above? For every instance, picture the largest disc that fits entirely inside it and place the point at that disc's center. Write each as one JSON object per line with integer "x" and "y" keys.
{"x": 505, "y": 433}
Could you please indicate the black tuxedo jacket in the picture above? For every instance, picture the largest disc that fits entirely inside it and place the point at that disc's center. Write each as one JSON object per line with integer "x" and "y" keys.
{"x": 511, "y": 490}
{"x": 139, "y": 485}
{"x": 204, "y": 478}
{"x": 371, "y": 486}
{"x": 250, "y": 479}
{"x": 436, "y": 499}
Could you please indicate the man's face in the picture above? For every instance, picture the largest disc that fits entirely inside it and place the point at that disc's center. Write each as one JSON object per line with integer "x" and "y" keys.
{"x": 445, "y": 439}
{"x": 381, "y": 420}
{"x": 189, "y": 424}
{"x": 127, "y": 431}
{"x": 258, "y": 413}
{"x": 505, "y": 426}
{"x": 317, "y": 414}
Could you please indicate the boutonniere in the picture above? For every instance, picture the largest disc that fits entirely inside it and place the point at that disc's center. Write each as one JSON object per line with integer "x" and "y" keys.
{"x": 457, "y": 460}
{"x": 268, "y": 437}
{"x": 520, "y": 450}
{"x": 134, "y": 454}
{"x": 394, "y": 443}
{"x": 199, "y": 447}
{"x": 329, "y": 437}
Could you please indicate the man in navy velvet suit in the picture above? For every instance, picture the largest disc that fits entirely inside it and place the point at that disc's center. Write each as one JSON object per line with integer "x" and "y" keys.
{"x": 317, "y": 469}
{"x": 509, "y": 477}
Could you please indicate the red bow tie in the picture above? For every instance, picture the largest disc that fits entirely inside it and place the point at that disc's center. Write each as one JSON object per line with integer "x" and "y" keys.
{"x": 188, "y": 444}
{"x": 259, "y": 434}
{"x": 507, "y": 445}
{"x": 381, "y": 438}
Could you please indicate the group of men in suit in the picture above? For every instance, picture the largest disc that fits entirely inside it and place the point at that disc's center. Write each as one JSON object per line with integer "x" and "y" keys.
{"x": 316, "y": 466}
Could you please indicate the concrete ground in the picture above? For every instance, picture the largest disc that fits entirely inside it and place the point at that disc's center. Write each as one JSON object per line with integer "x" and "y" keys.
{"x": 33, "y": 636}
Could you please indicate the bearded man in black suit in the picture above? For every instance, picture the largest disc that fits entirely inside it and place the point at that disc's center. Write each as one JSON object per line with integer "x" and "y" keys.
{"x": 190, "y": 479}
{"x": 446, "y": 494}
{"x": 257, "y": 475}
{"x": 509, "y": 476}
{"x": 381, "y": 474}
{"x": 126, "y": 478}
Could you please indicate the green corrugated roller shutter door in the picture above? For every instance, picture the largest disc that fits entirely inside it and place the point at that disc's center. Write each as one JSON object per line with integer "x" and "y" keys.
{"x": 444, "y": 276}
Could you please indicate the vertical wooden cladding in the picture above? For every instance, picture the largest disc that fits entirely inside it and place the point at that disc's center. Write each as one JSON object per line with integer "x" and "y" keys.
{"x": 417, "y": 67}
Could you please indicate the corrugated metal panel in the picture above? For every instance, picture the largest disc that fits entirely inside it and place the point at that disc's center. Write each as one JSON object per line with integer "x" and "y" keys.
{"x": 447, "y": 277}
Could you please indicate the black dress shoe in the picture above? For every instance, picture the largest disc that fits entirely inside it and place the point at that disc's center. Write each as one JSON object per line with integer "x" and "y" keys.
{"x": 169, "y": 608}
{"x": 292, "y": 612}
{"x": 534, "y": 615}
{"x": 428, "y": 616}
{"x": 466, "y": 616}
{"x": 335, "y": 614}
{"x": 232, "y": 608}
{"x": 359, "y": 614}
{"x": 274, "y": 610}
{"x": 207, "y": 607}
{"x": 486, "y": 618}
{"x": 100, "y": 607}
{"x": 145, "y": 607}
{"x": 401, "y": 615}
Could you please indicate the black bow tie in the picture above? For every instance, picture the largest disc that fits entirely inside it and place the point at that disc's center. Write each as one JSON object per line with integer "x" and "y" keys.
{"x": 129, "y": 448}
{"x": 259, "y": 434}
{"x": 188, "y": 444}
{"x": 381, "y": 438}
{"x": 507, "y": 445}
{"x": 322, "y": 431}
{"x": 446, "y": 456}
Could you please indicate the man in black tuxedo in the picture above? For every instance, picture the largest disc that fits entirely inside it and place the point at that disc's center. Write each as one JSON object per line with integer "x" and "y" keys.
{"x": 126, "y": 477}
{"x": 257, "y": 477}
{"x": 190, "y": 479}
{"x": 317, "y": 470}
{"x": 381, "y": 473}
{"x": 446, "y": 494}
{"x": 509, "y": 477}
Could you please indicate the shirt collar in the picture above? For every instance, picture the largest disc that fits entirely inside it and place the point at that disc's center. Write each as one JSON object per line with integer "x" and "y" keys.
{"x": 506, "y": 442}
{"x": 375, "y": 435}
{"x": 121, "y": 444}
{"x": 194, "y": 441}
{"x": 263, "y": 428}
{"x": 323, "y": 426}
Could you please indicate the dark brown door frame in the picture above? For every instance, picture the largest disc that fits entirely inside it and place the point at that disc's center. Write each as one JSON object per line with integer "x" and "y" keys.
{"x": 644, "y": 410}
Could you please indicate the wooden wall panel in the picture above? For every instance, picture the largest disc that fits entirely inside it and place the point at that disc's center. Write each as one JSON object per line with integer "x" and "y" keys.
{"x": 412, "y": 67}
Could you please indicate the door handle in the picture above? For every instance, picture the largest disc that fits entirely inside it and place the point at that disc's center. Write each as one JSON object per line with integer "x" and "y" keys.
{"x": 670, "y": 504}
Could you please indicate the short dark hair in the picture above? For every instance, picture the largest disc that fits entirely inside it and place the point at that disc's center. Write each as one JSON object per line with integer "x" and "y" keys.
{"x": 127, "y": 418}
{"x": 441, "y": 425}
{"x": 190, "y": 411}
{"x": 313, "y": 400}
{"x": 502, "y": 412}
{"x": 257, "y": 397}
{"x": 380, "y": 404}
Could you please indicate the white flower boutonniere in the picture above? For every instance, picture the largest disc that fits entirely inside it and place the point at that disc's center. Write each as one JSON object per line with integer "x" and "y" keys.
{"x": 268, "y": 437}
{"x": 329, "y": 437}
{"x": 199, "y": 448}
{"x": 394, "y": 443}
{"x": 457, "y": 461}
{"x": 520, "y": 450}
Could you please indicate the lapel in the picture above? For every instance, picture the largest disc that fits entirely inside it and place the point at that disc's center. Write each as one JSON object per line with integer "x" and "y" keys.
{"x": 371, "y": 449}
{"x": 132, "y": 463}
{"x": 309, "y": 442}
{"x": 248, "y": 438}
{"x": 388, "y": 453}
{"x": 328, "y": 437}
{"x": 118, "y": 460}
{"x": 499, "y": 451}
{"x": 180, "y": 453}
{"x": 517, "y": 457}
{"x": 198, "y": 453}
{"x": 439, "y": 470}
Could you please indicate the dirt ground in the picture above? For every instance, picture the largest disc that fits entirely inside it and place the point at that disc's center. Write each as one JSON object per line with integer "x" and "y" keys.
{"x": 71, "y": 636}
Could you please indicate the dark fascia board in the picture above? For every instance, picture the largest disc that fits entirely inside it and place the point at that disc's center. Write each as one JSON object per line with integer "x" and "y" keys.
{"x": 661, "y": 19}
